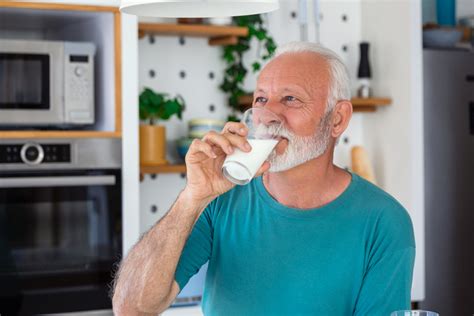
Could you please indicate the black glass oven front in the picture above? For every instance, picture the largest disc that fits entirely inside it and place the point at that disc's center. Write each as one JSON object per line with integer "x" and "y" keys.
{"x": 59, "y": 240}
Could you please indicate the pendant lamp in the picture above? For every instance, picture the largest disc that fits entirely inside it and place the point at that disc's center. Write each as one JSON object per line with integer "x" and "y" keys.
{"x": 197, "y": 8}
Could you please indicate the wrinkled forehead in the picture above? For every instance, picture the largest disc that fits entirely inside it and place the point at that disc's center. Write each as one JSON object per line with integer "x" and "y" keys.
{"x": 306, "y": 70}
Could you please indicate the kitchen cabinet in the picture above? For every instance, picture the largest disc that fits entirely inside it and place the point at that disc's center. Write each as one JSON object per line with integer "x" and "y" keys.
{"x": 100, "y": 25}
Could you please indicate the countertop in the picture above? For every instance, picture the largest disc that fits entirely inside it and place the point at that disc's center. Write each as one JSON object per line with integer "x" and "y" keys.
{"x": 183, "y": 311}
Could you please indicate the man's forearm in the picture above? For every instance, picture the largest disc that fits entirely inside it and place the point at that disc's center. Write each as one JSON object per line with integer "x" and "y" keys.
{"x": 146, "y": 275}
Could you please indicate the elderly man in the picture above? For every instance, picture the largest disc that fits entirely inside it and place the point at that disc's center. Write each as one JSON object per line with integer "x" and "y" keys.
{"x": 305, "y": 238}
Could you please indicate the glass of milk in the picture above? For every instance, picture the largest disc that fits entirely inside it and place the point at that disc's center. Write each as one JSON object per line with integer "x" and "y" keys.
{"x": 263, "y": 127}
{"x": 414, "y": 313}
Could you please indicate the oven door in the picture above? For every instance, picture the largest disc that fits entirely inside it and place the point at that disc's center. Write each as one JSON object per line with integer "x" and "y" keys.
{"x": 31, "y": 83}
{"x": 60, "y": 239}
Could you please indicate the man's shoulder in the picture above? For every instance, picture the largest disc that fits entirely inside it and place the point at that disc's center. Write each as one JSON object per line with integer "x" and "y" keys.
{"x": 375, "y": 197}
{"x": 387, "y": 215}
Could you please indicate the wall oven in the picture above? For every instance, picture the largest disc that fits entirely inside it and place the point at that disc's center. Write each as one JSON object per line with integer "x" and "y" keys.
{"x": 60, "y": 224}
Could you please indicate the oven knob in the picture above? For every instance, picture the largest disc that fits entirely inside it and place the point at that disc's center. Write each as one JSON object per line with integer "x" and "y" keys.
{"x": 79, "y": 71}
{"x": 32, "y": 154}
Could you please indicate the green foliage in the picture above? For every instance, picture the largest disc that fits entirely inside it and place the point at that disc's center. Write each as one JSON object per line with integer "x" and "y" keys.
{"x": 155, "y": 106}
{"x": 235, "y": 71}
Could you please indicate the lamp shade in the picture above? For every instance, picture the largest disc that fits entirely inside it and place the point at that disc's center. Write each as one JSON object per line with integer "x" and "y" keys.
{"x": 197, "y": 8}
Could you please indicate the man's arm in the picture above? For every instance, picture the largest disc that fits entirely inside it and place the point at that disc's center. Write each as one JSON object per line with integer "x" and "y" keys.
{"x": 387, "y": 284}
{"x": 387, "y": 280}
{"x": 145, "y": 282}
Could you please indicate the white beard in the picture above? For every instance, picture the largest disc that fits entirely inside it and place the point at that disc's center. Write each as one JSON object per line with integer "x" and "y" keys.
{"x": 301, "y": 149}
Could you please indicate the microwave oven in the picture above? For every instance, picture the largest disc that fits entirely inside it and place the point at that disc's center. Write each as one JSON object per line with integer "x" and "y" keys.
{"x": 46, "y": 83}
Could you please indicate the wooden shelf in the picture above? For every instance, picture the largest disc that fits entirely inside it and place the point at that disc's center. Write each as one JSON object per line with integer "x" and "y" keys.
{"x": 359, "y": 104}
{"x": 181, "y": 168}
{"x": 57, "y": 6}
{"x": 60, "y": 134}
{"x": 369, "y": 104}
{"x": 218, "y": 35}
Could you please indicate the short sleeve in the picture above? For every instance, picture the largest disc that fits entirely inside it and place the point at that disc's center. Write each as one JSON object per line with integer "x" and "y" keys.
{"x": 387, "y": 285}
{"x": 387, "y": 281}
{"x": 198, "y": 247}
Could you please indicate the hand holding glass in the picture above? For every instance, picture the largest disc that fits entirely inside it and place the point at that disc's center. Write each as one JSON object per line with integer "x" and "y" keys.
{"x": 263, "y": 127}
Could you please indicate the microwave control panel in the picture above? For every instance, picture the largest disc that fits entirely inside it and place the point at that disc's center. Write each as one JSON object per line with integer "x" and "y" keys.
{"x": 79, "y": 83}
{"x": 33, "y": 154}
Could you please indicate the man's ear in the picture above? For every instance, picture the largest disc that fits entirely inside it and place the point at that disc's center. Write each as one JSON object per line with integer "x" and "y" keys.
{"x": 340, "y": 118}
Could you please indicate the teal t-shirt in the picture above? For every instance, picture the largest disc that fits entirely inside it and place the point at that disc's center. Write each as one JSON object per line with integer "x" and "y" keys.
{"x": 353, "y": 256}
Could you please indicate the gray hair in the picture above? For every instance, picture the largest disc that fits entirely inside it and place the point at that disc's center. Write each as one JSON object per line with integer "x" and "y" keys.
{"x": 339, "y": 88}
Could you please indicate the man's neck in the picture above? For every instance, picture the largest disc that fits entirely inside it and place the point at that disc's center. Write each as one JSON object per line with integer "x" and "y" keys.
{"x": 309, "y": 185}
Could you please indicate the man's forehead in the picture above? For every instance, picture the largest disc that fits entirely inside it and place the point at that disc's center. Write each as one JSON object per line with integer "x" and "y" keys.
{"x": 296, "y": 69}
{"x": 282, "y": 83}
{"x": 295, "y": 82}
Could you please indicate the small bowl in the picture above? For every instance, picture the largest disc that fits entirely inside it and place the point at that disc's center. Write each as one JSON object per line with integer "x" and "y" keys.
{"x": 182, "y": 146}
{"x": 199, "y": 127}
{"x": 441, "y": 38}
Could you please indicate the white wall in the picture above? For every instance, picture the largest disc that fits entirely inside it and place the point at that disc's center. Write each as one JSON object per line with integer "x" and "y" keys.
{"x": 167, "y": 57}
{"x": 394, "y": 135}
{"x": 130, "y": 170}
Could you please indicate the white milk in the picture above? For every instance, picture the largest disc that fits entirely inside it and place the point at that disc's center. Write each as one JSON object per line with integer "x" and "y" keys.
{"x": 242, "y": 166}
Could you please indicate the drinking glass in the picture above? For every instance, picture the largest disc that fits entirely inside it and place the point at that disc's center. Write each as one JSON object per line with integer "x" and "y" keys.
{"x": 263, "y": 127}
{"x": 414, "y": 313}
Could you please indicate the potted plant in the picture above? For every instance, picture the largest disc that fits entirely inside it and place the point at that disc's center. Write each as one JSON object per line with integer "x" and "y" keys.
{"x": 235, "y": 71}
{"x": 154, "y": 106}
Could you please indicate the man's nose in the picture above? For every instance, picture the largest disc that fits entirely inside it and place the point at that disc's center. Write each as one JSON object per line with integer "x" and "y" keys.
{"x": 274, "y": 106}
{"x": 270, "y": 117}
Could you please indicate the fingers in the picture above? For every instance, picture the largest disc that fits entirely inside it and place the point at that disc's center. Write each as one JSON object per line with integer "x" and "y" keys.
{"x": 199, "y": 146}
{"x": 235, "y": 128}
{"x": 264, "y": 168}
{"x": 227, "y": 141}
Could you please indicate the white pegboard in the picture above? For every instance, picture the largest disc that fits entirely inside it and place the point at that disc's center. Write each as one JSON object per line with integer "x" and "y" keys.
{"x": 163, "y": 59}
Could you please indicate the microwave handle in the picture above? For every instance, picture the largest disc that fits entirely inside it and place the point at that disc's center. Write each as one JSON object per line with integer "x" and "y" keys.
{"x": 63, "y": 181}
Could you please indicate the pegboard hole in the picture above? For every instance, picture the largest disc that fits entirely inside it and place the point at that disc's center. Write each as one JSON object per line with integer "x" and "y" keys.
{"x": 154, "y": 208}
{"x": 152, "y": 73}
{"x": 182, "y": 41}
{"x": 344, "y": 18}
{"x": 151, "y": 39}
{"x": 182, "y": 74}
{"x": 346, "y": 140}
{"x": 293, "y": 14}
{"x": 153, "y": 176}
{"x": 211, "y": 75}
{"x": 183, "y": 176}
{"x": 344, "y": 48}
{"x": 212, "y": 108}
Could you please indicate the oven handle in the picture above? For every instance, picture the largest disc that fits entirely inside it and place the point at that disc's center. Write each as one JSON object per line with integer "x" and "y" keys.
{"x": 63, "y": 181}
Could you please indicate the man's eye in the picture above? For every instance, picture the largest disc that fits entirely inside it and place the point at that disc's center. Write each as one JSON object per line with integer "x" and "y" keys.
{"x": 260, "y": 100}
{"x": 290, "y": 98}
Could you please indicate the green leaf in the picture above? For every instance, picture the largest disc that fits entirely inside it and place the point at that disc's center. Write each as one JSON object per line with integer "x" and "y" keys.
{"x": 233, "y": 118}
{"x": 235, "y": 71}
{"x": 256, "y": 66}
{"x": 153, "y": 106}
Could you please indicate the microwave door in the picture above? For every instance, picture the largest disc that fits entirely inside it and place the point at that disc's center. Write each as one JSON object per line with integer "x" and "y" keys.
{"x": 30, "y": 79}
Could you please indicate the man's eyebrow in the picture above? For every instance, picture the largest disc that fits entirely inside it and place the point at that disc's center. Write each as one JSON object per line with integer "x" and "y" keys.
{"x": 286, "y": 89}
